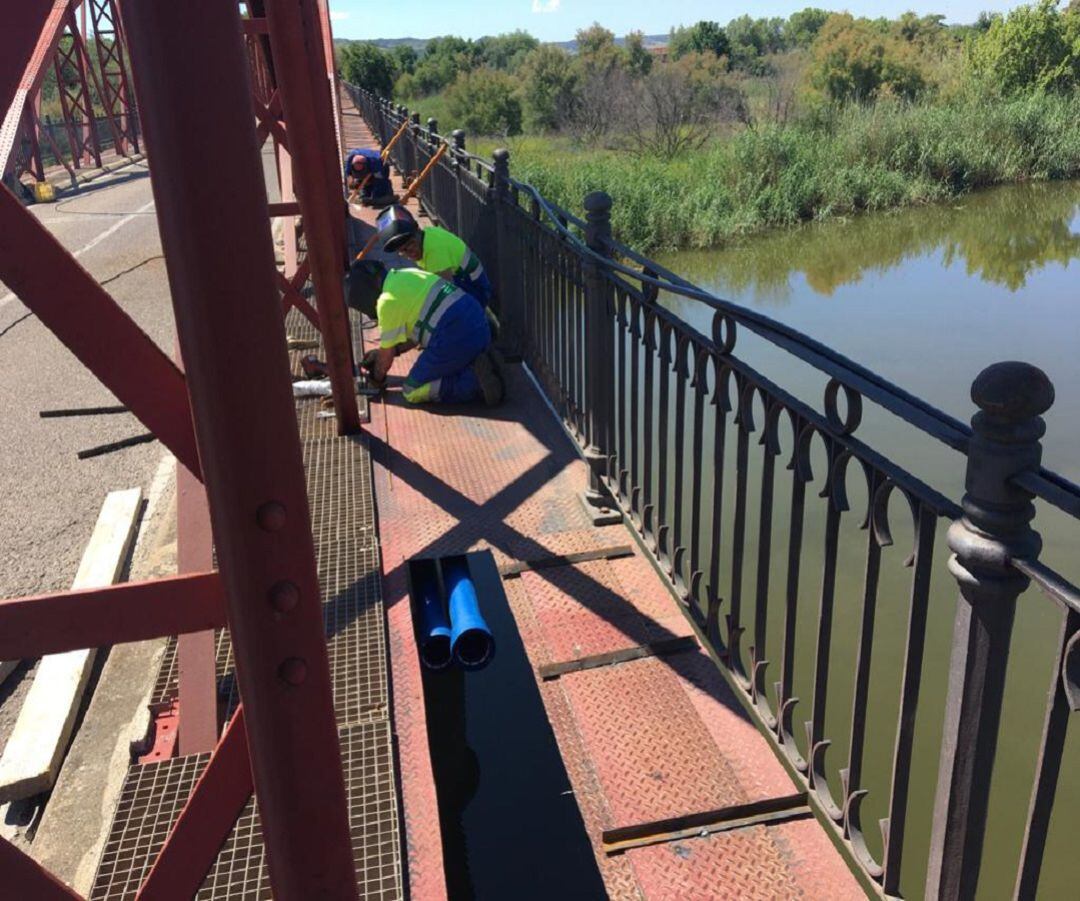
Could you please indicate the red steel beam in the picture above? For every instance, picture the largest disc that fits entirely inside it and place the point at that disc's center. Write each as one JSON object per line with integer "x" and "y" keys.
{"x": 27, "y": 41}
{"x": 195, "y": 651}
{"x": 220, "y": 261}
{"x": 94, "y": 617}
{"x": 24, "y": 877}
{"x": 79, "y": 98}
{"x": 285, "y": 208}
{"x": 203, "y": 825}
{"x": 300, "y": 69}
{"x": 84, "y": 317}
{"x": 327, "y": 32}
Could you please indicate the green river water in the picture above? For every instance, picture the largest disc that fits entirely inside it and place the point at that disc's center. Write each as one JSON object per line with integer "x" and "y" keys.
{"x": 925, "y": 297}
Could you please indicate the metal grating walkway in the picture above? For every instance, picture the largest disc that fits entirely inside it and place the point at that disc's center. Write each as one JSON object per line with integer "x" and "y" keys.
{"x": 341, "y": 496}
{"x": 642, "y": 740}
{"x": 154, "y": 794}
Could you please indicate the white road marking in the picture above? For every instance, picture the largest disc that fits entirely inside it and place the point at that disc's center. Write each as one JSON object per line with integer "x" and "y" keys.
{"x": 90, "y": 245}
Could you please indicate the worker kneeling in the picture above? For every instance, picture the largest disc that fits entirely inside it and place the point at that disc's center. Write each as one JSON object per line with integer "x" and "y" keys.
{"x": 368, "y": 176}
{"x": 434, "y": 249}
{"x": 414, "y": 307}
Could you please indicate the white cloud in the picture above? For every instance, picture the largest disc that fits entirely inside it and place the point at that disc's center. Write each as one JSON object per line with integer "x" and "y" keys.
{"x": 337, "y": 17}
{"x": 545, "y": 6}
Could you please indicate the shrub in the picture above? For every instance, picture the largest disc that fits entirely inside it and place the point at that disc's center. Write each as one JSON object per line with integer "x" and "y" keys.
{"x": 547, "y": 86}
{"x": 1033, "y": 48}
{"x": 484, "y": 102}
{"x": 369, "y": 67}
{"x": 702, "y": 37}
{"x": 856, "y": 59}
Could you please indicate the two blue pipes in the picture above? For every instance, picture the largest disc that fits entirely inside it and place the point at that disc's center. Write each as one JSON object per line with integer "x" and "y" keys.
{"x": 462, "y": 637}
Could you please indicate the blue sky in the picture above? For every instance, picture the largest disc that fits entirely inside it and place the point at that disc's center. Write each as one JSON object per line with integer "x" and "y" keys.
{"x": 557, "y": 20}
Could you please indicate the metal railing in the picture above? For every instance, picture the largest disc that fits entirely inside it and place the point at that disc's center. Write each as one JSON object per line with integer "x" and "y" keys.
{"x": 659, "y": 409}
{"x": 58, "y": 138}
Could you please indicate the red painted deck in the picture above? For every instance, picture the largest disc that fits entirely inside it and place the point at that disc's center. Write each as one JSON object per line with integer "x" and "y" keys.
{"x": 644, "y": 740}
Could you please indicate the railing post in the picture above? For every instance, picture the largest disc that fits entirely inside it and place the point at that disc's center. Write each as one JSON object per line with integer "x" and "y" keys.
{"x": 432, "y": 131}
{"x": 995, "y": 527}
{"x": 507, "y": 288}
{"x": 413, "y": 137}
{"x": 599, "y": 360}
{"x": 457, "y": 139}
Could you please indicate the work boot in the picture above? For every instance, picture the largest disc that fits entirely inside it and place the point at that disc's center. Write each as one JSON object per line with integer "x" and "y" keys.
{"x": 487, "y": 372}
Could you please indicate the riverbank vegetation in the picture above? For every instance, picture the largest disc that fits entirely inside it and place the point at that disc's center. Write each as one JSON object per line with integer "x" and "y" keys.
{"x": 725, "y": 130}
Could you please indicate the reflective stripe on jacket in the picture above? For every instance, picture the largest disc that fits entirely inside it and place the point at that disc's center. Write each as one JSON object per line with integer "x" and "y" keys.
{"x": 411, "y": 305}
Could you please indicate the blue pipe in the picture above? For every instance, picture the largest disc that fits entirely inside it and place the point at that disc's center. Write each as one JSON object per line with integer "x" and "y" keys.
{"x": 471, "y": 640}
{"x": 434, "y": 629}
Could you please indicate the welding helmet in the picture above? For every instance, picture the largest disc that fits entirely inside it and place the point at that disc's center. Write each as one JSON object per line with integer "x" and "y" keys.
{"x": 363, "y": 285}
{"x": 396, "y": 225}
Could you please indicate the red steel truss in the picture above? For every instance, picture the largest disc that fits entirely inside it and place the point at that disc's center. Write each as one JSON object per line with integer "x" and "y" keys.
{"x": 228, "y": 416}
{"x": 92, "y": 87}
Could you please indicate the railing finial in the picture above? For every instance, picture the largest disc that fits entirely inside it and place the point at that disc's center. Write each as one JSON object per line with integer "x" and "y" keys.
{"x": 598, "y": 216}
{"x": 994, "y": 530}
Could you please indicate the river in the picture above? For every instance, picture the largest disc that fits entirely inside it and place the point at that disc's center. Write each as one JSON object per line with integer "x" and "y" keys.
{"x": 926, "y": 297}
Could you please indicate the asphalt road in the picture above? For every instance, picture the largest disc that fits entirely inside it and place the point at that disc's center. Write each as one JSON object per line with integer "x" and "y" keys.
{"x": 49, "y": 500}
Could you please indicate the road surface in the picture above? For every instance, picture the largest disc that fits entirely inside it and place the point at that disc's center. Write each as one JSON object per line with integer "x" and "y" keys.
{"x": 49, "y": 499}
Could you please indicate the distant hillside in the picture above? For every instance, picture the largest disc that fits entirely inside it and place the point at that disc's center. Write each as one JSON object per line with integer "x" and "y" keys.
{"x": 418, "y": 44}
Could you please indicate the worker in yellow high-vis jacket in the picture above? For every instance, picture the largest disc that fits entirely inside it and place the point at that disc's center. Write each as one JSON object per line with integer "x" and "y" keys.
{"x": 417, "y": 308}
{"x": 433, "y": 249}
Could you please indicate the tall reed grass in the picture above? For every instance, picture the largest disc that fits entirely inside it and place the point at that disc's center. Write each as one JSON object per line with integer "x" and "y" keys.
{"x": 835, "y": 163}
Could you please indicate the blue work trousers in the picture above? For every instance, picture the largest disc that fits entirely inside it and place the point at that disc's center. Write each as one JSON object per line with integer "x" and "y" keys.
{"x": 444, "y": 372}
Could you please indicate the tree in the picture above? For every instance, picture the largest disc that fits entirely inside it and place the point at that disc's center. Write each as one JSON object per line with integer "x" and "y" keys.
{"x": 802, "y": 27}
{"x": 751, "y": 39}
{"x": 595, "y": 40}
{"x": 1032, "y": 48}
{"x": 599, "y": 69}
{"x": 444, "y": 59}
{"x": 638, "y": 60}
{"x": 701, "y": 37}
{"x": 548, "y": 84}
{"x": 485, "y": 102}
{"x": 856, "y": 59}
{"x": 677, "y": 107}
{"x": 506, "y": 51}
{"x": 405, "y": 57}
{"x": 369, "y": 67}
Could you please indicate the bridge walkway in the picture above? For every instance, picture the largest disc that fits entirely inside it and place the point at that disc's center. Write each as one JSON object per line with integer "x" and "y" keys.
{"x": 649, "y": 744}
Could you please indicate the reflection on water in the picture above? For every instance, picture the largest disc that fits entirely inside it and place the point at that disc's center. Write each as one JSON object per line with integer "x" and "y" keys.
{"x": 1001, "y": 236}
{"x": 927, "y": 298}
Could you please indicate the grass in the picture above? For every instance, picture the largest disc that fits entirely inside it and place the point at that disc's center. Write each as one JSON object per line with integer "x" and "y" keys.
{"x": 833, "y": 164}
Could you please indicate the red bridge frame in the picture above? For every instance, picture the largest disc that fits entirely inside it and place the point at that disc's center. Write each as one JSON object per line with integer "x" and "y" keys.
{"x": 207, "y": 106}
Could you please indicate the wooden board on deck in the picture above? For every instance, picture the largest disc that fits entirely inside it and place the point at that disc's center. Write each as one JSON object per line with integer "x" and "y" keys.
{"x": 36, "y": 748}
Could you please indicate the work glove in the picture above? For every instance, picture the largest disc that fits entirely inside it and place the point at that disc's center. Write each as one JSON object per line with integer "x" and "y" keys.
{"x": 367, "y": 363}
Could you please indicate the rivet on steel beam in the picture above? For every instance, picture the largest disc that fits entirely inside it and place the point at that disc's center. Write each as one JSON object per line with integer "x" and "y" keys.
{"x": 271, "y": 516}
{"x": 293, "y": 670}
{"x": 284, "y": 596}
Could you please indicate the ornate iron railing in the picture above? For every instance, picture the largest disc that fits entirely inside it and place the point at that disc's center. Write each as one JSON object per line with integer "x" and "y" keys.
{"x": 659, "y": 409}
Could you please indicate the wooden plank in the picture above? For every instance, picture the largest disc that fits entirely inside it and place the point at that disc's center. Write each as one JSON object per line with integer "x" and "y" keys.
{"x": 516, "y": 568}
{"x": 36, "y": 748}
{"x": 736, "y": 816}
{"x": 660, "y": 648}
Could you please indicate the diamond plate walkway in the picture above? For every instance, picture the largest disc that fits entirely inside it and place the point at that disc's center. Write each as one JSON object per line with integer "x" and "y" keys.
{"x": 645, "y": 740}
{"x": 650, "y": 739}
